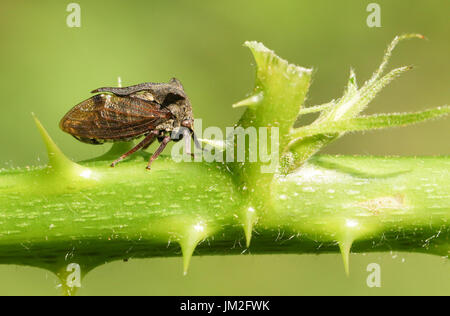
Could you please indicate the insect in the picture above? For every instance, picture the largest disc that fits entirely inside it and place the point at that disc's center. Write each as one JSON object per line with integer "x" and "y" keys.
{"x": 159, "y": 111}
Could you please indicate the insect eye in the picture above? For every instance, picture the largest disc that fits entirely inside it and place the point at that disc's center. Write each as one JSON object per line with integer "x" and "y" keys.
{"x": 187, "y": 123}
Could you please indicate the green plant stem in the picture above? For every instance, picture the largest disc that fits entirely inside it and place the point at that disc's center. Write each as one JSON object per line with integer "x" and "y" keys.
{"x": 374, "y": 203}
{"x": 68, "y": 214}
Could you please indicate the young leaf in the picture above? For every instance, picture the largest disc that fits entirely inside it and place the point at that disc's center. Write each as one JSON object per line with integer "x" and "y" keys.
{"x": 334, "y": 120}
{"x": 317, "y": 108}
{"x": 365, "y": 123}
{"x": 388, "y": 53}
{"x": 353, "y": 104}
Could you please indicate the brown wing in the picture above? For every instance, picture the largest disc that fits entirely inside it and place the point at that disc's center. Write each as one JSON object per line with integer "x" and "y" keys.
{"x": 110, "y": 117}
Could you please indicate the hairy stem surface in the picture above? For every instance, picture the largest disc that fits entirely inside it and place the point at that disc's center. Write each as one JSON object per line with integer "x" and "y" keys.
{"x": 331, "y": 203}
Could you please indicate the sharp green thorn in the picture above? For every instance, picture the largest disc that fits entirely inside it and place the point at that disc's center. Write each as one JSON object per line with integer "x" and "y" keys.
{"x": 187, "y": 255}
{"x": 345, "y": 247}
{"x": 56, "y": 158}
{"x": 187, "y": 249}
{"x": 248, "y": 234}
{"x": 250, "y": 101}
{"x": 195, "y": 234}
{"x": 60, "y": 165}
{"x": 68, "y": 291}
{"x": 66, "y": 275}
{"x": 250, "y": 219}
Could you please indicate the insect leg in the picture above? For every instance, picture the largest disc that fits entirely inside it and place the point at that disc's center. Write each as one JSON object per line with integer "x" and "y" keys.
{"x": 148, "y": 139}
{"x": 187, "y": 141}
{"x": 163, "y": 145}
{"x": 149, "y": 143}
{"x": 196, "y": 142}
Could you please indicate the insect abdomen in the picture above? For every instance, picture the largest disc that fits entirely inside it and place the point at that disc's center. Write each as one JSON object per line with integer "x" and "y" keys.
{"x": 98, "y": 141}
{"x": 106, "y": 118}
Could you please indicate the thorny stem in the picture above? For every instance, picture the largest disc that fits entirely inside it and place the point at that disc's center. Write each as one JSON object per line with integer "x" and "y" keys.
{"x": 376, "y": 203}
{"x": 88, "y": 214}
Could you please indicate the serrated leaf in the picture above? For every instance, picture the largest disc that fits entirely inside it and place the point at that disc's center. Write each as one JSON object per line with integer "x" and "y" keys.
{"x": 366, "y": 123}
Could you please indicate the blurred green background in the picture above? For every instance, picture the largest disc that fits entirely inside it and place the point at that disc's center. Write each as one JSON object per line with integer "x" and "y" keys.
{"x": 48, "y": 67}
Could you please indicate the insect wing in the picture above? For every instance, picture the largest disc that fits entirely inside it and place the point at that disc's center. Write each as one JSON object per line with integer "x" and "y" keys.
{"x": 110, "y": 117}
